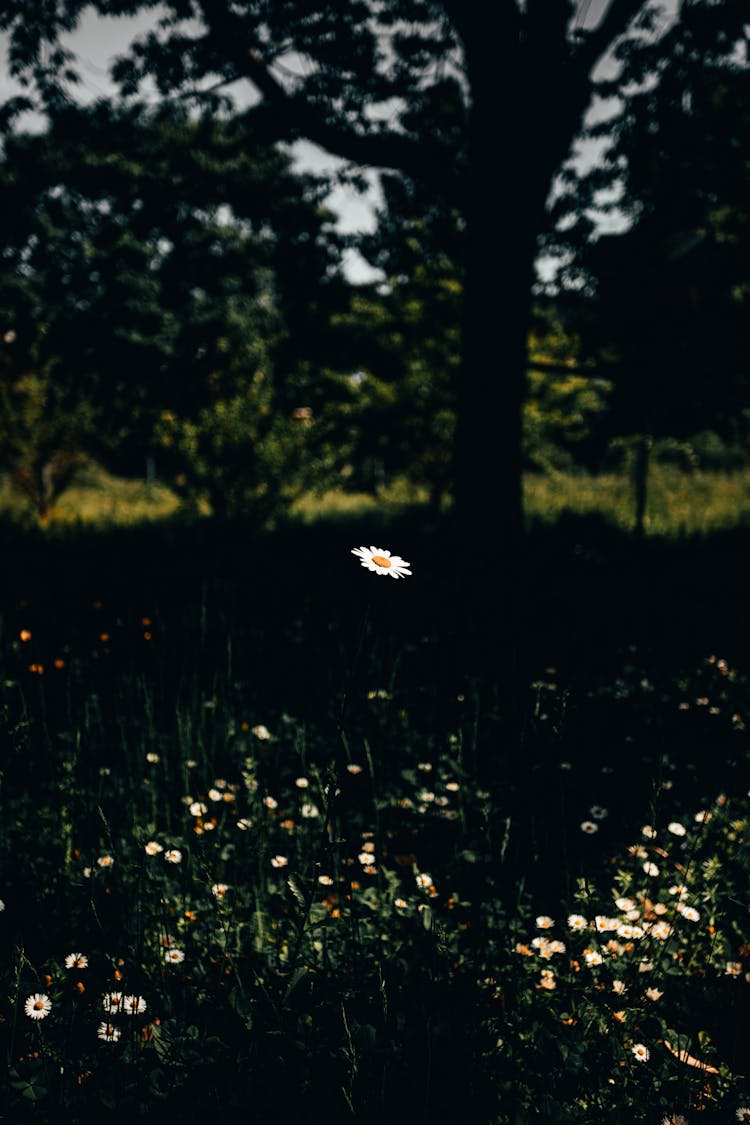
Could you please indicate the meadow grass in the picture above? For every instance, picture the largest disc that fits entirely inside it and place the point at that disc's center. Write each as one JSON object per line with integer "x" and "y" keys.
{"x": 379, "y": 908}
{"x": 680, "y": 504}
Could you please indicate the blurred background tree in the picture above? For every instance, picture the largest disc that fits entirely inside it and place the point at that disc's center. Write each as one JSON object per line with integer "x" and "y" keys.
{"x": 153, "y": 268}
{"x": 203, "y": 236}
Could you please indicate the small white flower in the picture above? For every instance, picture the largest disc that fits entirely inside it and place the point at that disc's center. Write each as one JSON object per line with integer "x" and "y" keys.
{"x": 301, "y": 783}
{"x": 152, "y": 758}
{"x": 353, "y": 768}
{"x": 689, "y": 913}
{"x": 734, "y": 969}
{"x": 618, "y": 986}
{"x": 76, "y": 961}
{"x": 214, "y": 794}
{"x": 112, "y": 1003}
{"x": 197, "y": 808}
{"x": 660, "y": 930}
{"x": 625, "y": 904}
{"x": 598, "y": 812}
{"x": 38, "y": 1006}
{"x": 108, "y": 1033}
{"x": 174, "y": 956}
{"x": 309, "y": 811}
{"x": 174, "y": 855}
{"x": 270, "y": 802}
{"x": 654, "y": 994}
{"x": 105, "y": 861}
{"x": 279, "y": 861}
{"x": 547, "y": 979}
{"x": 262, "y": 733}
{"x": 651, "y": 869}
{"x": 133, "y": 1005}
{"x": 592, "y": 957}
{"x": 218, "y": 890}
{"x": 424, "y": 880}
{"x": 648, "y": 831}
{"x": 325, "y": 880}
{"x": 577, "y": 922}
{"x": 544, "y": 922}
{"x": 244, "y": 823}
{"x": 642, "y": 1054}
{"x": 676, "y": 828}
{"x": 380, "y": 561}
{"x": 743, "y": 1113}
{"x": 605, "y": 925}
{"x": 589, "y": 827}
{"x": 153, "y": 848}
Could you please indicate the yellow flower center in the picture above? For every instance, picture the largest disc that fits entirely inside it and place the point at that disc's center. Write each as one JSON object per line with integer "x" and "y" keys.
{"x": 39, "y": 1004}
{"x": 380, "y": 560}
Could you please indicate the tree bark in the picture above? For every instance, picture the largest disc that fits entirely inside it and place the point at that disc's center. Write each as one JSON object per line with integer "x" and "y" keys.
{"x": 504, "y": 212}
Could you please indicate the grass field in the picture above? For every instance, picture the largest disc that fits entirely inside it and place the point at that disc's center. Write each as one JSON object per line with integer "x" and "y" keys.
{"x": 680, "y": 503}
{"x": 267, "y": 852}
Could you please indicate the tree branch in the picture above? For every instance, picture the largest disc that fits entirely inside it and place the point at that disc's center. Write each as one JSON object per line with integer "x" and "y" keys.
{"x": 300, "y": 118}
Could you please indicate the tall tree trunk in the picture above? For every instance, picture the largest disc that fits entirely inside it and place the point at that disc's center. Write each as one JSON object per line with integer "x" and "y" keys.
{"x": 502, "y": 222}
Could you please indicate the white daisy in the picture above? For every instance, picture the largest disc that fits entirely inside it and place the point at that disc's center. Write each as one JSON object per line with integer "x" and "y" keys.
{"x": 152, "y": 847}
{"x": 108, "y": 1033}
{"x": 197, "y": 808}
{"x": 309, "y": 810}
{"x": 589, "y": 827}
{"x": 641, "y": 1053}
{"x": 112, "y": 1002}
{"x": 133, "y": 1005}
{"x": 625, "y": 904}
{"x": 325, "y": 880}
{"x": 261, "y": 732}
{"x": 592, "y": 957}
{"x": 353, "y": 768}
{"x": 76, "y": 961}
{"x": 743, "y": 1113}
{"x": 651, "y": 869}
{"x": 38, "y": 1006}
{"x": 105, "y": 861}
{"x": 598, "y": 812}
{"x": 544, "y": 922}
{"x": 688, "y": 912}
{"x": 174, "y": 956}
{"x": 605, "y": 925}
{"x": 577, "y": 922}
{"x": 174, "y": 855}
{"x": 244, "y": 823}
{"x": 218, "y": 890}
{"x": 660, "y": 930}
{"x": 380, "y": 561}
{"x": 676, "y": 828}
{"x": 279, "y": 861}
